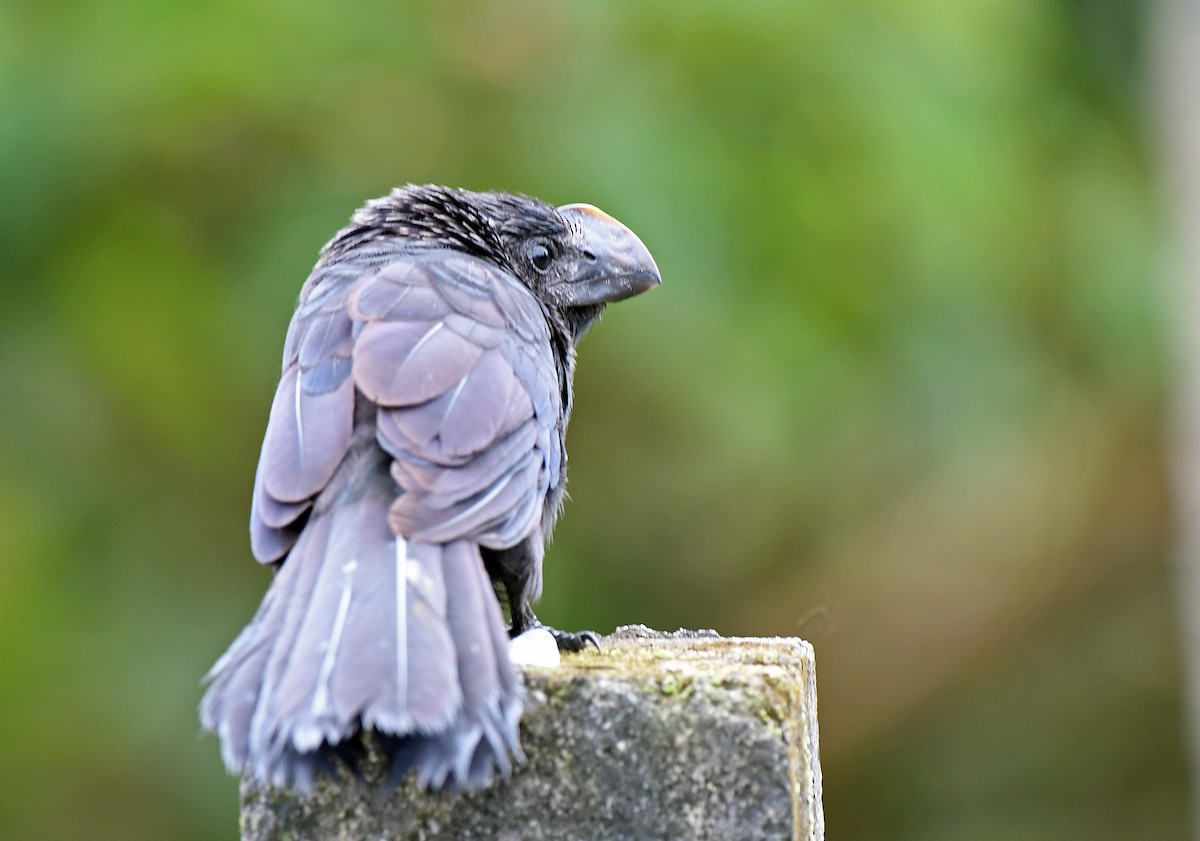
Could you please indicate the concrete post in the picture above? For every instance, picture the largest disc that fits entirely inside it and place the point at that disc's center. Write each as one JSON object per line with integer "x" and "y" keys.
{"x": 685, "y": 735}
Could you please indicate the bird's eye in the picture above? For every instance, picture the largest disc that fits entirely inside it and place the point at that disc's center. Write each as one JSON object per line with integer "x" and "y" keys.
{"x": 540, "y": 256}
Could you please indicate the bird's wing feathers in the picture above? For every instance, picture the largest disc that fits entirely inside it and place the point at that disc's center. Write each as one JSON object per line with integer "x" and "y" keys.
{"x": 457, "y": 355}
{"x": 312, "y": 415}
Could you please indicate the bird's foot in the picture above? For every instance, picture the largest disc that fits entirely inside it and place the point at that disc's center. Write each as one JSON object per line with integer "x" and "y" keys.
{"x": 574, "y": 641}
{"x": 569, "y": 641}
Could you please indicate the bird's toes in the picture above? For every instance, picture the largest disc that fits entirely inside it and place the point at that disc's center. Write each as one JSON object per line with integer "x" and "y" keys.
{"x": 572, "y": 642}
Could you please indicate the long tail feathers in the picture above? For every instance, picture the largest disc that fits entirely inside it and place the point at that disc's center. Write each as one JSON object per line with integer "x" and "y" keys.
{"x": 363, "y": 630}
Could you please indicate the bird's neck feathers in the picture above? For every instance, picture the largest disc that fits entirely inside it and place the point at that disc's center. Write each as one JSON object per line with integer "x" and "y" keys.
{"x": 578, "y": 320}
{"x": 439, "y": 217}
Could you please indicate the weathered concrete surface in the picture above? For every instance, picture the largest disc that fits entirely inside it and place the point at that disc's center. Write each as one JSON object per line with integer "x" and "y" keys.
{"x": 662, "y": 736}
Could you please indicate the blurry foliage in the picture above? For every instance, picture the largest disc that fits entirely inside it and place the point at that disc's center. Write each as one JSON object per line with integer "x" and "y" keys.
{"x": 901, "y": 391}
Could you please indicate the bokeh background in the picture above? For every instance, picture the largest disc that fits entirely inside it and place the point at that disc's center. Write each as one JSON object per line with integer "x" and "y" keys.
{"x": 903, "y": 392}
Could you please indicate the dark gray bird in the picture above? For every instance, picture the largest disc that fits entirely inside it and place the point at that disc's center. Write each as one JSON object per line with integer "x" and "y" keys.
{"x": 414, "y": 455}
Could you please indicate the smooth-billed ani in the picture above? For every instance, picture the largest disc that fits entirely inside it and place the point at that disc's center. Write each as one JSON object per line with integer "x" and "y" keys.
{"x": 414, "y": 456}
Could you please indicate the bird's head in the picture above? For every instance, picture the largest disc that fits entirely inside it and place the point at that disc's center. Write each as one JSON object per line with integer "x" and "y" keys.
{"x": 575, "y": 258}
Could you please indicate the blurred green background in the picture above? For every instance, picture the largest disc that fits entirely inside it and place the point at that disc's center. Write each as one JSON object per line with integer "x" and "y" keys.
{"x": 902, "y": 392}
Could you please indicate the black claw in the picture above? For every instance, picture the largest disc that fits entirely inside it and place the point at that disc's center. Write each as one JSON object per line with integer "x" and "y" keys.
{"x": 574, "y": 642}
{"x": 568, "y": 641}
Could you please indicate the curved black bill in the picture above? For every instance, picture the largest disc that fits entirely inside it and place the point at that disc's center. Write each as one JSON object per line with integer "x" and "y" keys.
{"x": 620, "y": 266}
